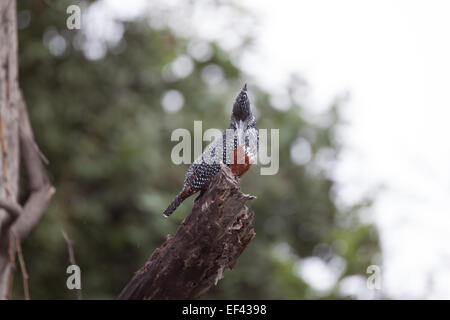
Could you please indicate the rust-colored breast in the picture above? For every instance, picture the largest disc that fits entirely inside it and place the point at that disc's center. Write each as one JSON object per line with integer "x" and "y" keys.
{"x": 239, "y": 169}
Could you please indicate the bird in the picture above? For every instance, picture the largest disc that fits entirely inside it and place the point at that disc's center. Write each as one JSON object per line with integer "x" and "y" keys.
{"x": 237, "y": 149}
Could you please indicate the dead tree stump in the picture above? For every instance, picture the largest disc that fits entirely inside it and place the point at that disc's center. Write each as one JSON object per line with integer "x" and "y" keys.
{"x": 208, "y": 241}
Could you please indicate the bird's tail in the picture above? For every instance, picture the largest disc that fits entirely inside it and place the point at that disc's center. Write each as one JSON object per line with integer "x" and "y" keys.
{"x": 177, "y": 201}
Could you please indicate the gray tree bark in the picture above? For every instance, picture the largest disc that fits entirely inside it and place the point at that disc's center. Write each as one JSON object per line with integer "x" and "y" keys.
{"x": 16, "y": 141}
{"x": 208, "y": 241}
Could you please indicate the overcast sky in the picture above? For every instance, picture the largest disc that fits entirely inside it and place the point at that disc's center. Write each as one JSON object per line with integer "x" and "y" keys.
{"x": 393, "y": 57}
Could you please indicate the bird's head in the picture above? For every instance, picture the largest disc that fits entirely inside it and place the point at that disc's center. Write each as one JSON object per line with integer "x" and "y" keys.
{"x": 241, "y": 116}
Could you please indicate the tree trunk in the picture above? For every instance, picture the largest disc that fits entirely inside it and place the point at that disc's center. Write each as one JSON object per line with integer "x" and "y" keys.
{"x": 209, "y": 240}
{"x": 9, "y": 130}
{"x": 16, "y": 140}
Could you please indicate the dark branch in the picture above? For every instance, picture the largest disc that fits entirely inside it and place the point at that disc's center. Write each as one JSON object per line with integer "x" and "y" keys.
{"x": 208, "y": 241}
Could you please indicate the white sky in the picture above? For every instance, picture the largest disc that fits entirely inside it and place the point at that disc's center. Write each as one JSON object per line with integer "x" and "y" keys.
{"x": 393, "y": 57}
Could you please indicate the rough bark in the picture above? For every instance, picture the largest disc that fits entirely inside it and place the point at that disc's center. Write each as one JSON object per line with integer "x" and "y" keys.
{"x": 16, "y": 140}
{"x": 208, "y": 241}
{"x": 9, "y": 128}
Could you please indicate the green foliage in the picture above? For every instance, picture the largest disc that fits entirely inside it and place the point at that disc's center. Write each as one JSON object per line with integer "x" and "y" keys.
{"x": 103, "y": 128}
